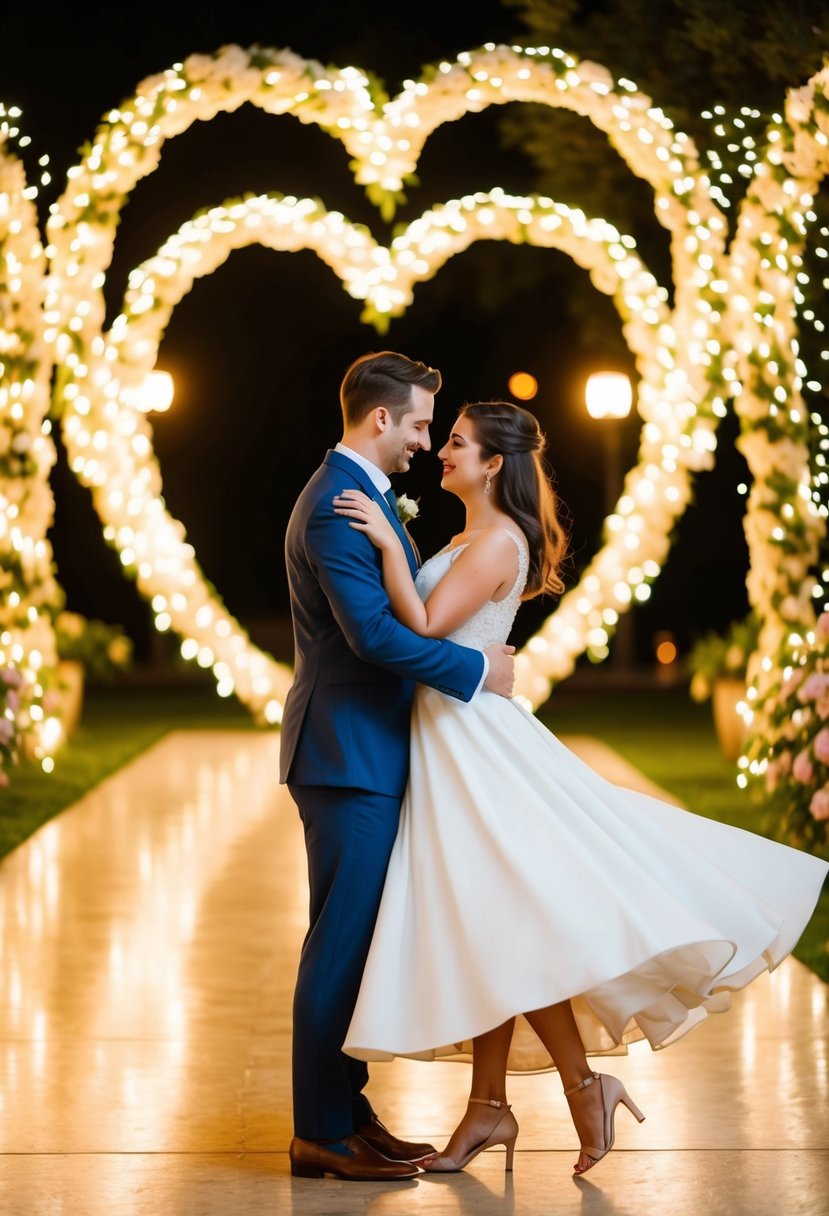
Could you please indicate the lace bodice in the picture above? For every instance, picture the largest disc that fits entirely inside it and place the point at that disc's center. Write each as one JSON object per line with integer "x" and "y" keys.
{"x": 492, "y": 623}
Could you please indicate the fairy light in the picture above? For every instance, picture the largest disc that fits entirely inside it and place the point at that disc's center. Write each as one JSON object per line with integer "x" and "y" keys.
{"x": 385, "y": 146}
{"x": 688, "y": 365}
{"x": 27, "y": 642}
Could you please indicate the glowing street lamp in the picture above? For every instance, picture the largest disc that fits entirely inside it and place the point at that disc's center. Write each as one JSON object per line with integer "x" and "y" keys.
{"x": 608, "y": 395}
{"x": 523, "y": 386}
{"x": 156, "y": 393}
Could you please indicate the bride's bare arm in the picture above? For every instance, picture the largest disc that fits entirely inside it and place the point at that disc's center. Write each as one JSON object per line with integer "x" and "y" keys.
{"x": 368, "y": 516}
{"x": 486, "y": 564}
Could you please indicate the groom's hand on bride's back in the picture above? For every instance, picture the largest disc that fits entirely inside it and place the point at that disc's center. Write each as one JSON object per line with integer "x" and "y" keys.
{"x": 501, "y": 675}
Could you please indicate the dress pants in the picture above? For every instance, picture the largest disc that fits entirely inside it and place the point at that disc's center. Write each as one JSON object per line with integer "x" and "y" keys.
{"x": 348, "y": 838}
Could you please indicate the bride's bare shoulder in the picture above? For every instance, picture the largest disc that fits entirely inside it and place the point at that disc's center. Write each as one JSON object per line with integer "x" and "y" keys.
{"x": 496, "y": 534}
{"x": 495, "y": 541}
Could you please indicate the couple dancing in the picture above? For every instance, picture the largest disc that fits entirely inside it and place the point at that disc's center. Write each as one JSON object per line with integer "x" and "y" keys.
{"x": 476, "y": 890}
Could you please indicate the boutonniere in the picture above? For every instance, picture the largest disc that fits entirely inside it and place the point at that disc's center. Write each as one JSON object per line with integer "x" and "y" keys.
{"x": 407, "y": 508}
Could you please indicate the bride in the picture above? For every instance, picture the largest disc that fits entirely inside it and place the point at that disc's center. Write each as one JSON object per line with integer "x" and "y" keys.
{"x": 534, "y": 913}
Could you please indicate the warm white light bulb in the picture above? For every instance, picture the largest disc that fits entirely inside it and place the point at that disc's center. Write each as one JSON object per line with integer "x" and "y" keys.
{"x": 156, "y": 393}
{"x": 608, "y": 395}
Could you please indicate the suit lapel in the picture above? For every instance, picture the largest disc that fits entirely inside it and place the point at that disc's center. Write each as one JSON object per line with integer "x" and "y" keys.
{"x": 340, "y": 461}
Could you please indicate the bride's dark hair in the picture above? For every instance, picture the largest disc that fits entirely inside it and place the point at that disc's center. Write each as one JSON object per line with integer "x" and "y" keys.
{"x": 522, "y": 488}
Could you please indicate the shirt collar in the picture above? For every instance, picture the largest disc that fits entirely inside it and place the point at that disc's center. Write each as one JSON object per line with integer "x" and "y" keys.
{"x": 378, "y": 477}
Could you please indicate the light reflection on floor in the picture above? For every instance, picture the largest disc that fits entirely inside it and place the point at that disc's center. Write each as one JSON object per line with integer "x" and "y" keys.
{"x": 149, "y": 941}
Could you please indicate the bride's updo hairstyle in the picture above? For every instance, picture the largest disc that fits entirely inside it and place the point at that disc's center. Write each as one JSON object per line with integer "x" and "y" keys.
{"x": 523, "y": 489}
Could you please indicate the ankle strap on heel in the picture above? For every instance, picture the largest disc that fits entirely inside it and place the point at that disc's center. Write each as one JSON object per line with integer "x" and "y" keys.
{"x": 492, "y": 1102}
{"x": 594, "y": 1076}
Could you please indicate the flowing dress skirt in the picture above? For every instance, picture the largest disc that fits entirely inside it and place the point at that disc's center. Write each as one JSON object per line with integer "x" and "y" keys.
{"x": 520, "y": 877}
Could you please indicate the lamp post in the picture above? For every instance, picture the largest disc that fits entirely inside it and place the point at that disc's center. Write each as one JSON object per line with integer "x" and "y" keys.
{"x": 609, "y": 396}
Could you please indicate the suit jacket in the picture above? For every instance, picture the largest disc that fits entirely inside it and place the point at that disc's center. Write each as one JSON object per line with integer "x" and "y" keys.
{"x": 346, "y": 717}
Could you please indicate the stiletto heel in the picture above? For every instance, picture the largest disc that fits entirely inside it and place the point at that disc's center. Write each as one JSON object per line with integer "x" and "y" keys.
{"x": 631, "y": 1105}
{"x": 504, "y": 1132}
{"x": 613, "y": 1092}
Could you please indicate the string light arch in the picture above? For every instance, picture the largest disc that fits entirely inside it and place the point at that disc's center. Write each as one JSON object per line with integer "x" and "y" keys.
{"x": 703, "y": 352}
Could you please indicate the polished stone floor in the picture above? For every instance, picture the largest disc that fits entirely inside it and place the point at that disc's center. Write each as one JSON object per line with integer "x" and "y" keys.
{"x": 149, "y": 939}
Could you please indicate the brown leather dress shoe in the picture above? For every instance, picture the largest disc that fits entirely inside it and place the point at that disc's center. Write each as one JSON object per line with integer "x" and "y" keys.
{"x": 362, "y": 1164}
{"x": 380, "y": 1138}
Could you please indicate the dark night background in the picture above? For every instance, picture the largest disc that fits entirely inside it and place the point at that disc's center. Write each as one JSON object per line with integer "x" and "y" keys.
{"x": 258, "y": 348}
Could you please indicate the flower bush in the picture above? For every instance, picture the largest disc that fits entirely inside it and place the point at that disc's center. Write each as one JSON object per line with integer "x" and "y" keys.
{"x": 10, "y": 681}
{"x": 715, "y": 656}
{"x": 793, "y": 755}
{"x": 102, "y": 649}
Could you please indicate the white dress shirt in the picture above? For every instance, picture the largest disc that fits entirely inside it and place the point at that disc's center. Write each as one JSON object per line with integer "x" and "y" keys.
{"x": 380, "y": 479}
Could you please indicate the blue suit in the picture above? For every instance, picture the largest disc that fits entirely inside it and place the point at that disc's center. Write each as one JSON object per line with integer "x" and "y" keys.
{"x": 345, "y": 757}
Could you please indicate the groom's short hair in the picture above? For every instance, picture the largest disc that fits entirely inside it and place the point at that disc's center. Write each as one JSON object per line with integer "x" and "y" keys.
{"x": 383, "y": 378}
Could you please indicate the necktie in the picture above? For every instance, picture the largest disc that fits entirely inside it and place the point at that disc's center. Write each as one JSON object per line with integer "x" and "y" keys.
{"x": 391, "y": 499}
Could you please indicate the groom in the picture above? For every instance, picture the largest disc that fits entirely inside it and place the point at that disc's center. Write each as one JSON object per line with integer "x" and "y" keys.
{"x": 345, "y": 751}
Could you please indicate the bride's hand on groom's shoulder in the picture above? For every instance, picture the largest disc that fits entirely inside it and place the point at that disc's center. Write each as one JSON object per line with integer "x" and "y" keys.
{"x": 501, "y": 675}
{"x": 367, "y": 516}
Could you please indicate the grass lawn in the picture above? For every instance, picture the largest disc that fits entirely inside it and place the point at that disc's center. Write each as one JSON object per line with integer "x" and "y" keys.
{"x": 662, "y": 733}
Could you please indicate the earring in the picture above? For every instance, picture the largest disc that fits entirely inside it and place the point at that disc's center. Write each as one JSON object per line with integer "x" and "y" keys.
{"x": 487, "y": 486}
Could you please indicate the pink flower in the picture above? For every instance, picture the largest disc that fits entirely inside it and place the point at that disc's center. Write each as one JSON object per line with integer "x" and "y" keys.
{"x": 822, "y": 627}
{"x": 821, "y": 745}
{"x": 819, "y": 806}
{"x": 816, "y": 686}
{"x": 11, "y": 676}
{"x": 785, "y": 762}
{"x": 6, "y": 730}
{"x": 802, "y": 769}
{"x": 772, "y": 776}
{"x": 4, "y": 778}
{"x": 793, "y": 681}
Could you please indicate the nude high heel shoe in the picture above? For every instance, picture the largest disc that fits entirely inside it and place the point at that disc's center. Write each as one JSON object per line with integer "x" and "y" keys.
{"x": 504, "y": 1132}
{"x": 613, "y": 1092}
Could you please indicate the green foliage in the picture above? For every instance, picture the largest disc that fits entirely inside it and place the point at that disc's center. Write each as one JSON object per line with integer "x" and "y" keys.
{"x": 688, "y": 55}
{"x": 790, "y": 755}
{"x": 102, "y": 649}
{"x": 715, "y": 656}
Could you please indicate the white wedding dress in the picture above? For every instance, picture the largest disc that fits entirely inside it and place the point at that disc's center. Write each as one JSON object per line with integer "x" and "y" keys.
{"x": 519, "y": 877}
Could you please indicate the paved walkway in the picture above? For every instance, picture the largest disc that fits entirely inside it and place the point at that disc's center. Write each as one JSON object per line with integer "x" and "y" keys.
{"x": 149, "y": 943}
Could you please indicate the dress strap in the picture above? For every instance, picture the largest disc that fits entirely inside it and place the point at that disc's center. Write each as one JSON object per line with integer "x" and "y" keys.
{"x": 523, "y": 564}
{"x": 522, "y": 546}
{"x": 523, "y": 551}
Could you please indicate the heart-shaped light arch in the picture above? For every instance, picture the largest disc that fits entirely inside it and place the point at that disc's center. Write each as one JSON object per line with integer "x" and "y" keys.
{"x": 110, "y": 445}
{"x": 385, "y": 147}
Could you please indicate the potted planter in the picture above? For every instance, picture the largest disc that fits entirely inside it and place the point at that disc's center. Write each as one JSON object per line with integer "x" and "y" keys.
{"x": 718, "y": 668}
{"x": 730, "y": 727}
{"x": 69, "y": 694}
